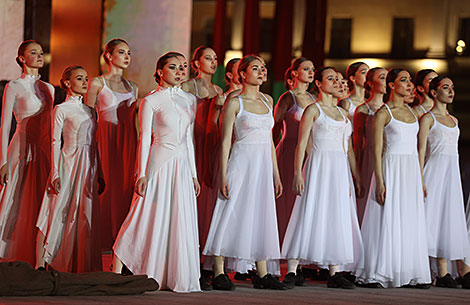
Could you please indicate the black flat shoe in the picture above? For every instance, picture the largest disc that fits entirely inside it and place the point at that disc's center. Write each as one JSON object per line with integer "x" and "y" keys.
{"x": 222, "y": 282}
{"x": 241, "y": 276}
{"x": 268, "y": 282}
{"x": 204, "y": 283}
{"x": 466, "y": 281}
{"x": 300, "y": 278}
{"x": 446, "y": 281}
{"x": 290, "y": 280}
{"x": 339, "y": 281}
{"x": 417, "y": 286}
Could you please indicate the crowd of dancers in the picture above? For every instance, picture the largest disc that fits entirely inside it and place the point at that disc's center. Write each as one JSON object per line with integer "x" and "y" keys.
{"x": 358, "y": 176}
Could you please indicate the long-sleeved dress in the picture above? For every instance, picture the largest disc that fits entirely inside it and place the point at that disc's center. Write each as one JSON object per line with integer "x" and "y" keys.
{"x": 69, "y": 220}
{"x": 31, "y": 101}
{"x": 159, "y": 237}
{"x": 117, "y": 143}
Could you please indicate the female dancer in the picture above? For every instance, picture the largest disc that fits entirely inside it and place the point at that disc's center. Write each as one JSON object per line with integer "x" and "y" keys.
{"x": 394, "y": 228}
{"x": 287, "y": 114}
{"x": 356, "y": 77}
{"x": 68, "y": 220}
{"x": 308, "y": 238}
{"x": 438, "y": 155}
{"x": 244, "y": 226}
{"x": 363, "y": 134}
{"x": 24, "y": 164}
{"x": 422, "y": 80}
{"x": 115, "y": 101}
{"x": 159, "y": 236}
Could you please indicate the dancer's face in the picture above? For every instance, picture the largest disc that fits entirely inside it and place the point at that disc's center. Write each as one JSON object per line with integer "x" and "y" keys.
{"x": 208, "y": 61}
{"x": 78, "y": 82}
{"x": 171, "y": 73}
{"x": 329, "y": 83}
{"x": 378, "y": 83}
{"x": 360, "y": 76}
{"x": 120, "y": 57}
{"x": 305, "y": 72}
{"x": 184, "y": 68}
{"x": 33, "y": 56}
{"x": 253, "y": 74}
{"x": 445, "y": 91}
{"x": 341, "y": 89}
{"x": 411, "y": 97}
{"x": 402, "y": 85}
{"x": 427, "y": 80}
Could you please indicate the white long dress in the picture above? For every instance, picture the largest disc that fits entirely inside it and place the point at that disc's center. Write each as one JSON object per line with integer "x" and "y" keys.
{"x": 31, "y": 101}
{"x": 445, "y": 214}
{"x": 394, "y": 234}
{"x": 69, "y": 220}
{"x": 244, "y": 227}
{"x": 323, "y": 228}
{"x": 366, "y": 165}
{"x": 159, "y": 237}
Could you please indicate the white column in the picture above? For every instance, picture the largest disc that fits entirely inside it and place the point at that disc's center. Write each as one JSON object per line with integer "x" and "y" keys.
{"x": 11, "y": 33}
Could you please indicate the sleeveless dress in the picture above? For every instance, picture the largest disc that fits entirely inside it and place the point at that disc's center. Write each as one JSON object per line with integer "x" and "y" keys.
{"x": 285, "y": 152}
{"x": 159, "y": 236}
{"x": 366, "y": 166}
{"x": 117, "y": 144}
{"x": 394, "y": 234}
{"x": 69, "y": 220}
{"x": 27, "y": 158}
{"x": 445, "y": 215}
{"x": 351, "y": 110}
{"x": 244, "y": 227}
{"x": 323, "y": 228}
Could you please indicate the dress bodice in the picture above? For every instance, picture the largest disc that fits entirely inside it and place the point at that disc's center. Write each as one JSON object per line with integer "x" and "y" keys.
{"x": 112, "y": 105}
{"x": 167, "y": 122}
{"x": 369, "y": 134}
{"x": 30, "y": 100}
{"x": 442, "y": 139}
{"x": 328, "y": 134}
{"x": 400, "y": 137}
{"x": 252, "y": 128}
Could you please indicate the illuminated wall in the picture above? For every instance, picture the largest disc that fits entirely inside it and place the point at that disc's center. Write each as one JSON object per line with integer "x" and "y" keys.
{"x": 75, "y": 36}
{"x": 11, "y": 32}
{"x": 151, "y": 28}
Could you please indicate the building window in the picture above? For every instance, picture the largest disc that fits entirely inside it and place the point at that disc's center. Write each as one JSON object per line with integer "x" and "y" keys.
{"x": 340, "y": 38}
{"x": 403, "y": 37}
{"x": 464, "y": 35}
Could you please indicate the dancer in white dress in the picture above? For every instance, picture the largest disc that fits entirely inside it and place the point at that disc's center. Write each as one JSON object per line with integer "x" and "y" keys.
{"x": 244, "y": 225}
{"x": 287, "y": 114}
{"x": 24, "y": 164}
{"x": 438, "y": 155}
{"x": 114, "y": 99}
{"x": 363, "y": 133}
{"x": 159, "y": 236}
{"x": 69, "y": 218}
{"x": 321, "y": 216}
{"x": 394, "y": 224}
{"x": 421, "y": 81}
{"x": 356, "y": 77}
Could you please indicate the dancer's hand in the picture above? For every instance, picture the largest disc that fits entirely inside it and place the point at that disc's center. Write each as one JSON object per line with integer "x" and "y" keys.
{"x": 141, "y": 186}
{"x": 298, "y": 184}
{"x": 380, "y": 193}
{"x": 358, "y": 188}
{"x": 224, "y": 187}
{"x": 4, "y": 175}
{"x": 278, "y": 187}
{"x": 56, "y": 185}
{"x": 197, "y": 187}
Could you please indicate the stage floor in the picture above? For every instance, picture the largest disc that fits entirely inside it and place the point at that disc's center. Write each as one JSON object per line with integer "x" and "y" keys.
{"x": 314, "y": 293}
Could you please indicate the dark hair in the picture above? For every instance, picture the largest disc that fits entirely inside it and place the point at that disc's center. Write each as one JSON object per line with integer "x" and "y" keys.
{"x": 319, "y": 75}
{"x": 67, "y": 74}
{"x": 197, "y": 54}
{"x": 297, "y": 62}
{"x": 392, "y": 75}
{"x": 229, "y": 67}
{"x": 111, "y": 45}
{"x": 351, "y": 71}
{"x": 245, "y": 62}
{"x": 162, "y": 61}
{"x": 22, "y": 49}
{"x": 287, "y": 78}
{"x": 370, "y": 77}
{"x": 419, "y": 79}
{"x": 435, "y": 83}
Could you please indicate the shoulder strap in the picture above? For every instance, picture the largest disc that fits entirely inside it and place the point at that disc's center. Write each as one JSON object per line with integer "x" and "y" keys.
{"x": 368, "y": 107}
{"x": 412, "y": 112}
{"x": 422, "y": 108}
{"x": 388, "y": 109}
{"x": 240, "y": 101}
{"x": 195, "y": 87}
{"x": 264, "y": 99}
{"x": 293, "y": 97}
{"x": 342, "y": 114}
{"x": 313, "y": 97}
{"x": 103, "y": 81}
